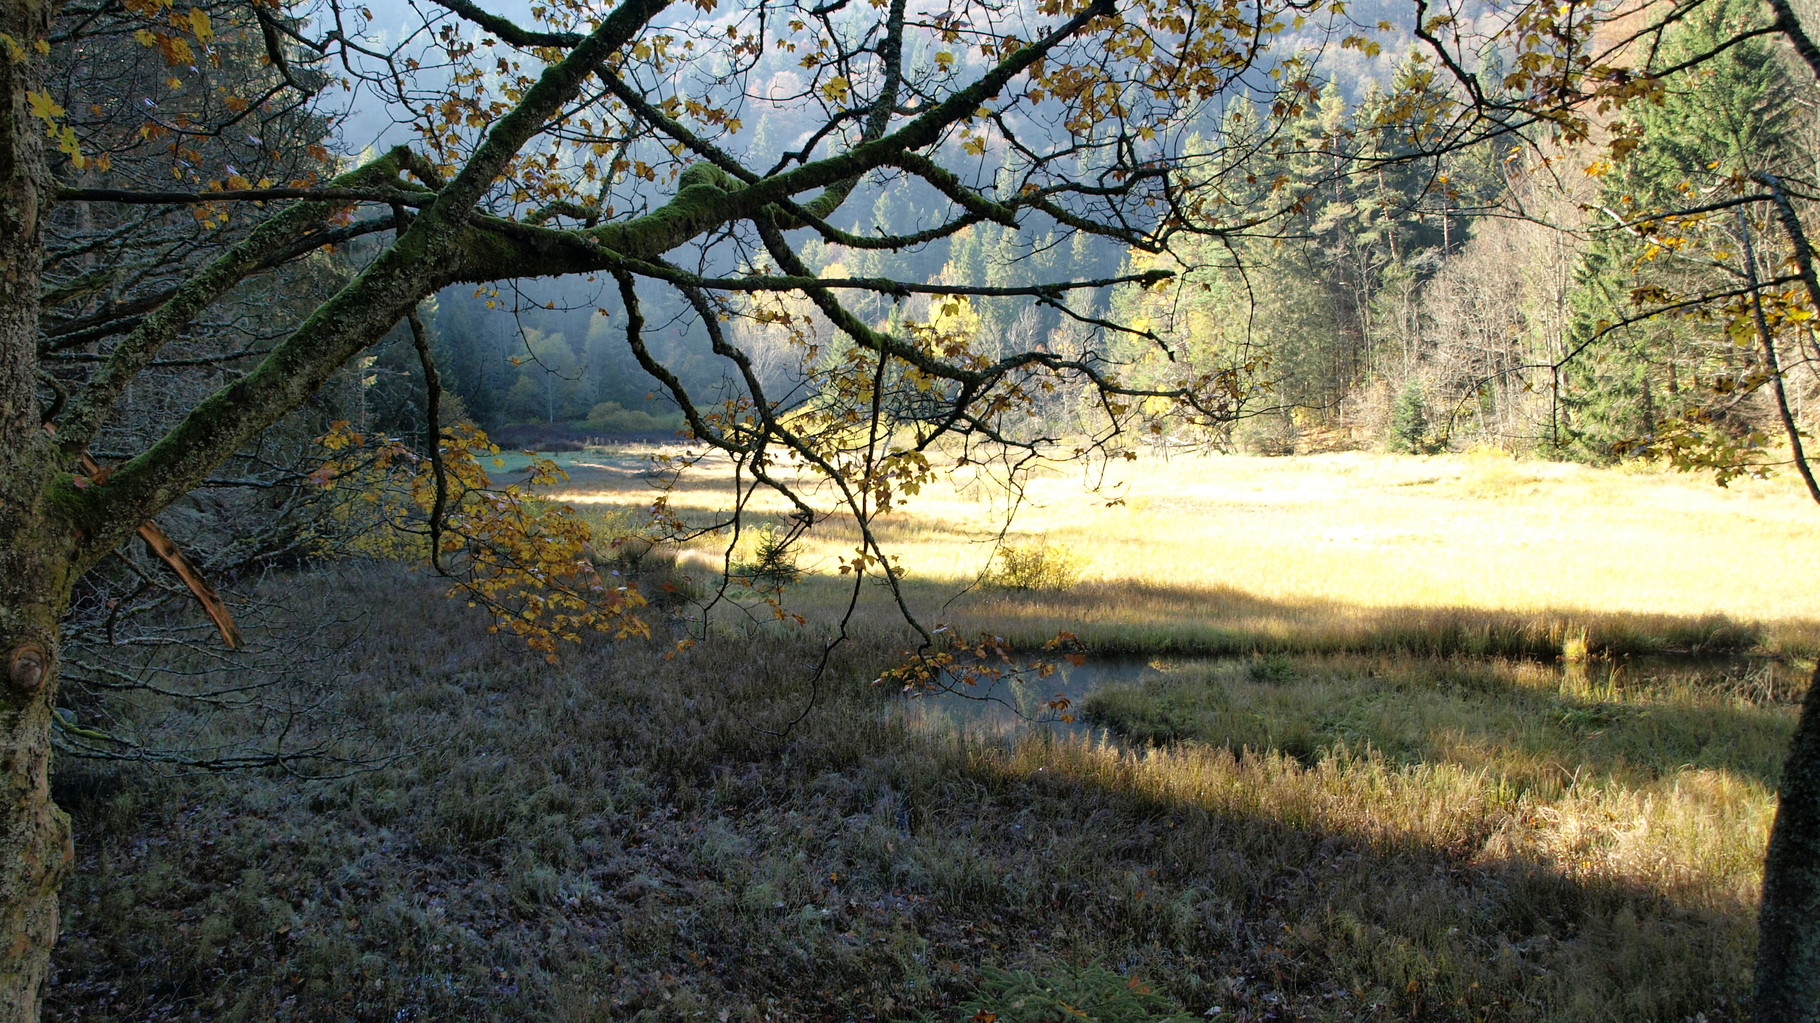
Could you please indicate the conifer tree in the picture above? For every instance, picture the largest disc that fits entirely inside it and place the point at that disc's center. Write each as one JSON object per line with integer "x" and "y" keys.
{"x": 1729, "y": 118}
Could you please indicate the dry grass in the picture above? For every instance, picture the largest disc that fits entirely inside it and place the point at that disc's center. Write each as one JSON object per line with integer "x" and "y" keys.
{"x": 1471, "y": 553}
{"x": 621, "y": 838}
{"x": 1322, "y": 838}
{"x": 1667, "y": 782}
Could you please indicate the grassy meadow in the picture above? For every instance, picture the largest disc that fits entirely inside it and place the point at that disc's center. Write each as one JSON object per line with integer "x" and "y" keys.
{"x": 1469, "y": 554}
{"x": 1348, "y": 788}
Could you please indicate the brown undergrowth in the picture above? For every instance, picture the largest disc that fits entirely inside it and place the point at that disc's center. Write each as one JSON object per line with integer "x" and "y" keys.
{"x": 623, "y": 837}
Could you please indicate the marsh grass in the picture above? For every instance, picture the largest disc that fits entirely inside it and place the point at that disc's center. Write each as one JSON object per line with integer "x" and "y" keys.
{"x": 630, "y": 837}
{"x": 1462, "y": 554}
{"x": 1324, "y": 830}
{"x": 1667, "y": 782}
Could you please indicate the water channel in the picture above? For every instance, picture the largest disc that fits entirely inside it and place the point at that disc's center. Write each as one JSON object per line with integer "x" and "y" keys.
{"x": 1009, "y": 708}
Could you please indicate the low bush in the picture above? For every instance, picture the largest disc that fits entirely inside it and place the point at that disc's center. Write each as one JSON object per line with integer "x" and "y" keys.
{"x": 1035, "y": 566}
{"x": 1410, "y": 430}
{"x": 771, "y": 559}
{"x": 610, "y": 417}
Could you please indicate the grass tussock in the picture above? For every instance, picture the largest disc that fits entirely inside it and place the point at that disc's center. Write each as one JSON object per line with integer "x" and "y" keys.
{"x": 629, "y": 837}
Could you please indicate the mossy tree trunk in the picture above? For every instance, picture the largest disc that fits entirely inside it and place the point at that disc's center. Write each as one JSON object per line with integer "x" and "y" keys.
{"x": 1788, "y": 929}
{"x": 34, "y": 834}
{"x": 54, "y": 525}
{"x": 34, "y": 581}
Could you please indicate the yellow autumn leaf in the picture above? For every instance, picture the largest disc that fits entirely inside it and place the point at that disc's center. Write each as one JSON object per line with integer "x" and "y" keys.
{"x": 835, "y": 89}
{"x": 70, "y": 147}
{"x": 43, "y": 107}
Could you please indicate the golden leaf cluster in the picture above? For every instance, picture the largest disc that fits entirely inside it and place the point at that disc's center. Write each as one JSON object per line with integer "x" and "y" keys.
{"x": 527, "y": 561}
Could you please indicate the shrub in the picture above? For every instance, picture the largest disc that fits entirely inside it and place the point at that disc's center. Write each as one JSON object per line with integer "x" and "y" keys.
{"x": 1036, "y": 566}
{"x": 612, "y": 417}
{"x": 1273, "y": 670}
{"x": 773, "y": 558}
{"x": 622, "y": 537}
{"x": 628, "y": 545}
{"x": 1410, "y": 432}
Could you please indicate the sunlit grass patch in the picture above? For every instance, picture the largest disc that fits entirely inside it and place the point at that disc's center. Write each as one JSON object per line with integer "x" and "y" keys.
{"x": 1547, "y": 727}
{"x": 1661, "y": 784}
{"x": 1472, "y": 553}
{"x": 1449, "y": 895}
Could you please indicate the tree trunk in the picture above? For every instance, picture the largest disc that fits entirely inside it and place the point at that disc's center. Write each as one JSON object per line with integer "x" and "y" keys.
{"x": 1788, "y": 927}
{"x": 34, "y": 553}
{"x": 35, "y": 850}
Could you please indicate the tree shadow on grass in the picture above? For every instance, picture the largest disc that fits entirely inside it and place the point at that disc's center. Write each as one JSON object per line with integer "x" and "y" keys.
{"x": 1529, "y": 724}
{"x": 1331, "y": 916}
